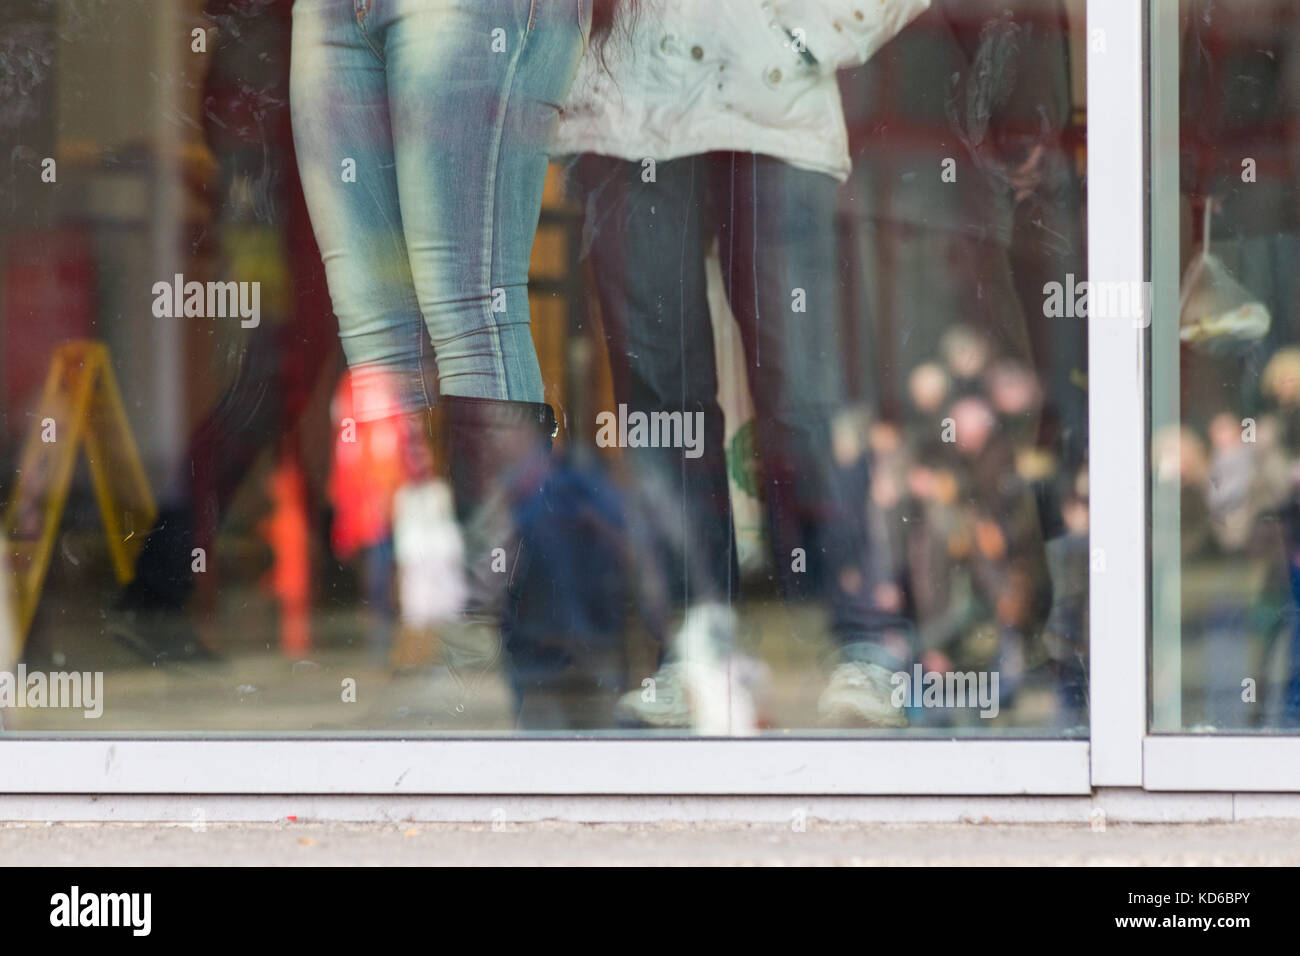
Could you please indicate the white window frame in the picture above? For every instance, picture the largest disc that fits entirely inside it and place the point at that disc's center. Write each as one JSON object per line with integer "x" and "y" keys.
{"x": 556, "y": 766}
{"x": 1118, "y": 754}
{"x": 1117, "y": 599}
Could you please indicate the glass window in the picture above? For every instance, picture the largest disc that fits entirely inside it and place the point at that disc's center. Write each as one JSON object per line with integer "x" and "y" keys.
{"x": 631, "y": 366}
{"x": 1225, "y": 388}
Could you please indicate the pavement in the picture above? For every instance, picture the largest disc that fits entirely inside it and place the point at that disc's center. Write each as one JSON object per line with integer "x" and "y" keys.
{"x": 1255, "y": 843}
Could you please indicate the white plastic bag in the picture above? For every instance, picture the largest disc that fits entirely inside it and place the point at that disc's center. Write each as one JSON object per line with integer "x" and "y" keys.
{"x": 1216, "y": 313}
{"x": 430, "y": 553}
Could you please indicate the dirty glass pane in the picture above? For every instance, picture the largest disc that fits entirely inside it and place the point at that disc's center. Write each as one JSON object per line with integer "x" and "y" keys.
{"x": 617, "y": 366}
{"x": 1225, "y": 371}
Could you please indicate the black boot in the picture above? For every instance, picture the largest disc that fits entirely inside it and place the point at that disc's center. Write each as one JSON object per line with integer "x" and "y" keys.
{"x": 498, "y": 452}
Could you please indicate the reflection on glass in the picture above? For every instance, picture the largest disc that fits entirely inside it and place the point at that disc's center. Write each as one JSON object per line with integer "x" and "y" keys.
{"x": 1224, "y": 458}
{"x": 641, "y": 366}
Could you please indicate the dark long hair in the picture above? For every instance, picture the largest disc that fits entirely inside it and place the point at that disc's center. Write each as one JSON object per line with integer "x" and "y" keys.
{"x": 603, "y": 13}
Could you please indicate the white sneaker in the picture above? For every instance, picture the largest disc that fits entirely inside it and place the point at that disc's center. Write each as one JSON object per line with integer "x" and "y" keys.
{"x": 707, "y": 686}
{"x": 659, "y": 702}
{"x": 860, "y": 695}
{"x": 719, "y": 697}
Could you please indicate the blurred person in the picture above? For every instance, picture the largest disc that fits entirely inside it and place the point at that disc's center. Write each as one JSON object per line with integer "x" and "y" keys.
{"x": 1232, "y": 491}
{"x": 964, "y": 199}
{"x": 929, "y": 389}
{"x": 996, "y": 542}
{"x": 1008, "y": 563}
{"x": 249, "y": 188}
{"x": 564, "y": 633}
{"x": 978, "y": 528}
{"x": 1281, "y": 386}
{"x": 938, "y": 541}
{"x": 887, "y": 515}
{"x": 422, "y": 129}
{"x": 1230, "y": 588}
{"x": 1065, "y": 632}
{"x": 1014, "y": 392}
{"x": 966, "y": 354}
{"x": 878, "y": 462}
{"x": 1246, "y": 484}
{"x": 721, "y": 121}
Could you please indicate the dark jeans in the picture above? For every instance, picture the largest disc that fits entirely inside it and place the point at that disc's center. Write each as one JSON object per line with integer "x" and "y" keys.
{"x": 647, "y": 242}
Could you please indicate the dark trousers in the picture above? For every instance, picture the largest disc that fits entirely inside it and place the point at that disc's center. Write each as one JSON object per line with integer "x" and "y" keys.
{"x": 774, "y": 224}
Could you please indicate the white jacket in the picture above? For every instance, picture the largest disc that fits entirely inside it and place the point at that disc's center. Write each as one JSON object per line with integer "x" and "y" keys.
{"x": 692, "y": 76}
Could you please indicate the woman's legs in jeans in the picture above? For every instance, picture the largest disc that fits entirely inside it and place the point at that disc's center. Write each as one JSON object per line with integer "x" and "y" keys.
{"x": 422, "y": 128}
{"x": 422, "y": 141}
{"x": 473, "y": 128}
{"x": 344, "y": 143}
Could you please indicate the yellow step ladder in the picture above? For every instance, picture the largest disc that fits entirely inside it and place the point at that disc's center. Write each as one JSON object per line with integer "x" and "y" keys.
{"x": 80, "y": 405}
